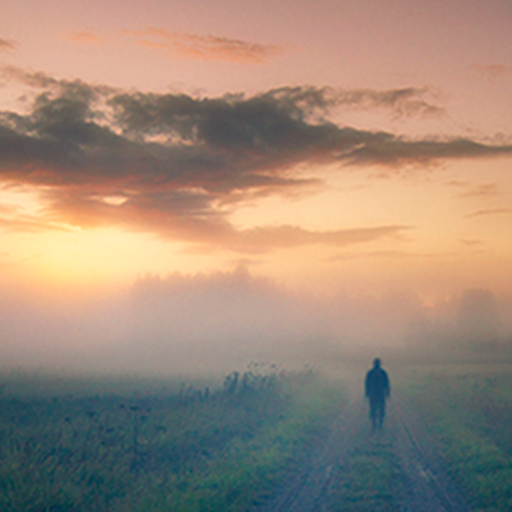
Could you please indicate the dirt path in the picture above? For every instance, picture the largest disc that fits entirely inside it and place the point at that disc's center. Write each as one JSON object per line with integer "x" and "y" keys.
{"x": 424, "y": 485}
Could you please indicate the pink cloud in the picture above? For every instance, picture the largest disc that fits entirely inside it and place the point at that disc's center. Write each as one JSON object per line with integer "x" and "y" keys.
{"x": 84, "y": 36}
{"x": 205, "y": 47}
{"x": 6, "y": 44}
{"x": 494, "y": 211}
{"x": 490, "y": 71}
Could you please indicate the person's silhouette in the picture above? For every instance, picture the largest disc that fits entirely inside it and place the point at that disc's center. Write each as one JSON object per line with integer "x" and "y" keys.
{"x": 377, "y": 390}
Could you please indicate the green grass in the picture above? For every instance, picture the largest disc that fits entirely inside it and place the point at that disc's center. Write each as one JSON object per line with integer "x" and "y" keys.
{"x": 469, "y": 418}
{"x": 369, "y": 479}
{"x": 153, "y": 449}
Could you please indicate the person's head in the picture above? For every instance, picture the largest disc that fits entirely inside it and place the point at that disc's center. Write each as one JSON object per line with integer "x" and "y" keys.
{"x": 376, "y": 362}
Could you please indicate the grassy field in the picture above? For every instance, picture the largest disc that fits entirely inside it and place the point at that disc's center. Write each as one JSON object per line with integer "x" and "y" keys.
{"x": 469, "y": 417}
{"x": 154, "y": 446}
{"x": 147, "y": 446}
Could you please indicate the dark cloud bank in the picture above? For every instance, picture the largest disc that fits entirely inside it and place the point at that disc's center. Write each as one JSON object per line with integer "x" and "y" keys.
{"x": 176, "y": 164}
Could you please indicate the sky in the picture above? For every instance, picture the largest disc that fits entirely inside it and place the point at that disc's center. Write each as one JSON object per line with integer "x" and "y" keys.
{"x": 330, "y": 147}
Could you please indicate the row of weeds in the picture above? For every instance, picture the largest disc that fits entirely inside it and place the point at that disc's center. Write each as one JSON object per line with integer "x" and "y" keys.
{"x": 469, "y": 418}
{"x": 194, "y": 449}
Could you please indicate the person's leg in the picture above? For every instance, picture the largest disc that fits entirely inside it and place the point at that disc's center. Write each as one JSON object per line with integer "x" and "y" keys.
{"x": 383, "y": 413}
{"x": 373, "y": 414}
{"x": 381, "y": 416}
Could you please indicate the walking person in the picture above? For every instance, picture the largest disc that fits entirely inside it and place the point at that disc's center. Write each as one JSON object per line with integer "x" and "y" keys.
{"x": 377, "y": 390}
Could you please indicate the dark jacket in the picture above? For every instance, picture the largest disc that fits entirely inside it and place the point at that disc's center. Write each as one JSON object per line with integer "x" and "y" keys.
{"x": 377, "y": 385}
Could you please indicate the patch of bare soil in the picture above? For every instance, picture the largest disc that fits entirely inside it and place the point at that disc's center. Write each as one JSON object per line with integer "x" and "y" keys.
{"x": 356, "y": 470}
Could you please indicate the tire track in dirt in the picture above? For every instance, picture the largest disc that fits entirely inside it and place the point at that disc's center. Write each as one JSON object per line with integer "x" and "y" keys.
{"x": 428, "y": 486}
{"x": 425, "y": 484}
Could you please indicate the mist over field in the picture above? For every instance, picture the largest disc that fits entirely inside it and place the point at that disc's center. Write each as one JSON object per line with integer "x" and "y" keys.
{"x": 211, "y": 323}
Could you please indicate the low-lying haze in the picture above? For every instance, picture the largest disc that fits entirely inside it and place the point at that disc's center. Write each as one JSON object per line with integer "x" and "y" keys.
{"x": 213, "y": 323}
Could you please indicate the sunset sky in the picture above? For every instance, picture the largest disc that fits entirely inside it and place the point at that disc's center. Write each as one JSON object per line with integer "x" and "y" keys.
{"x": 327, "y": 145}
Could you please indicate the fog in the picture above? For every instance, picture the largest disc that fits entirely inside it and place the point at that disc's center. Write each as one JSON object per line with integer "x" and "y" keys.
{"x": 211, "y": 323}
